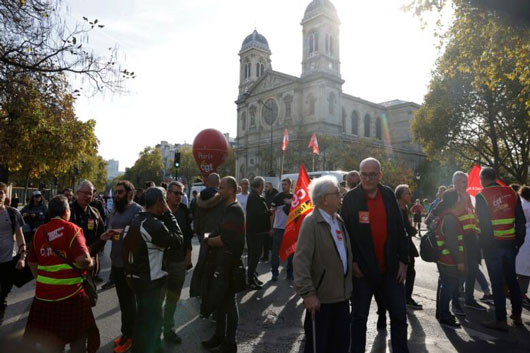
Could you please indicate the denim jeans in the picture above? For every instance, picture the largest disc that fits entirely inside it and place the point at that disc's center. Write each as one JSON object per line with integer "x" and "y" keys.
{"x": 127, "y": 300}
{"x": 447, "y": 290}
{"x": 393, "y": 294}
{"x": 275, "y": 255}
{"x": 175, "y": 280}
{"x": 501, "y": 268}
{"x": 472, "y": 261}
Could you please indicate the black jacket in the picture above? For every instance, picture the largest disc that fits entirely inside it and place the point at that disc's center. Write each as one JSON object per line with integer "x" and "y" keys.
{"x": 396, "y": 247}
{"x": 182, "y": 214}
{"x": 144, "y": 245}
{"x": 258, "y": 214}
{"x": 411, "y": 232}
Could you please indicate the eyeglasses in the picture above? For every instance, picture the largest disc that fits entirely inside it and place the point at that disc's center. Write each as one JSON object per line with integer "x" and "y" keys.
{"x": 369, "y": 175}
{"x": 120, "y": 191}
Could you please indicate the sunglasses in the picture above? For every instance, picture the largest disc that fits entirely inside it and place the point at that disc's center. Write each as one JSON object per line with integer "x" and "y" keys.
{"x": 177, "y": 193}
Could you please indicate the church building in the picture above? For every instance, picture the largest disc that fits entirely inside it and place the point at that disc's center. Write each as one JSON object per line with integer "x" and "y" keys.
{"x": 270, "y": 101}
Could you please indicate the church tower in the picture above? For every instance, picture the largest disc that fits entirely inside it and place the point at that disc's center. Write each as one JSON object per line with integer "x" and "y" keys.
{"x": 254, "y": 60}
{"x": 321, "y": 54}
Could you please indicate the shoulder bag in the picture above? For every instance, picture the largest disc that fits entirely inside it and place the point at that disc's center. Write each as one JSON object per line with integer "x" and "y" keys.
{"x": 89, "y": 285}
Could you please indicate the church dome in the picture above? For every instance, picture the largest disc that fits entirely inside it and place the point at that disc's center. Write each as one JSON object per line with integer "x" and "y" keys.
{"x": 255, "y": 40}
{"x": 317, "y": 7}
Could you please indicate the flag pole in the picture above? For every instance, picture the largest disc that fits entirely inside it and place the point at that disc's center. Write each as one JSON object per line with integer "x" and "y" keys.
{"x": 281, "y": 165}
{"x": 313, "y": 161}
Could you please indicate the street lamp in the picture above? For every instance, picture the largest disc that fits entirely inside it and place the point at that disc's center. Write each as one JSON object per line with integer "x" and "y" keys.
{"x": 270, "y": 114}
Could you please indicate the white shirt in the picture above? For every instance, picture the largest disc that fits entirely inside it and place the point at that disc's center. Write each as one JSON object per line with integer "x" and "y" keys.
{"x": 242, "y": 199}
{"x": 338, "y": 237}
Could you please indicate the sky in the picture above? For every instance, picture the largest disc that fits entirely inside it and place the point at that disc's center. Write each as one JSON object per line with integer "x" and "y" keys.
{"x": 185, "y": 56}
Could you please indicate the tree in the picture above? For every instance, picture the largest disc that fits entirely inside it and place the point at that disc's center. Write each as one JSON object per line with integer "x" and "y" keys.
{"x": 40, "y": 135}
{"x": 37, "y": 42}
{"x": 148, "y": 167}
{"x": 478, "y": 104}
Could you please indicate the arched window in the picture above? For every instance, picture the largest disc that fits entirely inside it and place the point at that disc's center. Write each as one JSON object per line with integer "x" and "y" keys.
{"x": 312, "y": 102}
{"x": 247, "y": 68}
{"x": 330, "y": 45}
{"x": 378, "y": 129}
{"x": 327, "y": 43}
{"x": 288, "y": 105}
{"x": 243, "y": 122}
{"x": 343, "y": 119}
{"x": 332, "y": 100}
{"x": 367, "y": 122}
{"x": 313, "y": 42}
{"x": 354, "y": 123}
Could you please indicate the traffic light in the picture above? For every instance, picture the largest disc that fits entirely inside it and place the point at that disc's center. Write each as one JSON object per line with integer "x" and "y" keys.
{"x": 176, "y": 160}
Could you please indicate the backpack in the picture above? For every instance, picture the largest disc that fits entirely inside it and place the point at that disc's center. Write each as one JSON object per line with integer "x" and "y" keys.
{"x": 429, "y": 250}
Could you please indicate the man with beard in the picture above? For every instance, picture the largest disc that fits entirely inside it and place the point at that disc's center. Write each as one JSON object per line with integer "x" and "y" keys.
{"x": 125, "y": 209}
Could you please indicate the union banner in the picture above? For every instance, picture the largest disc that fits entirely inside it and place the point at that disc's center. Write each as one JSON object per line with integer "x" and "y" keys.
{"x": 301, "y": 206}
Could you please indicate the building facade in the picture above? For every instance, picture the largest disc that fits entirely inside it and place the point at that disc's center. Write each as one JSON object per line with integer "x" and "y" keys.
{"x": 113, "y": 167}
{"x": 270, "y": 101}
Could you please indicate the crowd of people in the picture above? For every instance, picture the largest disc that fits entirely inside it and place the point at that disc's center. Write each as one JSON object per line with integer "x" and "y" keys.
{"x": 357, "y": 243}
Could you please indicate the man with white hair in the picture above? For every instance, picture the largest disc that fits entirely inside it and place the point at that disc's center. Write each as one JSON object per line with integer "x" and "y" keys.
{"x": 380, "y": 254}
{"x": 323, "y": 270}
{"x": 87, "y": 218}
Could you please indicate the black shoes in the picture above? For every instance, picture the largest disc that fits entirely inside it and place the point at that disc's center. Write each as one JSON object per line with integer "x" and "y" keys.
{"x": 254, "y": 286}
{"x": 213, "y": 342}
{"x": 171, "y": 336}
{"x": 449, "y": 322}
{"x": 474, "y": 305}
{"x": 411, "y": 303}
{"x": 225, "y": 347}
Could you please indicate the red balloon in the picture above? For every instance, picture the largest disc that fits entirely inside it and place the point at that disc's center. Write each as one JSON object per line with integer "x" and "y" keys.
{"x": 210, "y": 150}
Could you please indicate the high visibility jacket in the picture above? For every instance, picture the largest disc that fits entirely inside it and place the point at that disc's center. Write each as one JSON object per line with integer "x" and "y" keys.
{"x": 501, "y": 201}
{"x": 446, "y": 258}
{"x": 56, "y": 280}
{"x": 468, "y": 219}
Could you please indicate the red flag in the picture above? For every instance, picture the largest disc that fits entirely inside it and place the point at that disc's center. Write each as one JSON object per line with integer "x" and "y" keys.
{"x": 314, "y": 143}
{"x": 473, "y": 181}
{"x": 285, "y": 140}
{"x": 301, "y": 206}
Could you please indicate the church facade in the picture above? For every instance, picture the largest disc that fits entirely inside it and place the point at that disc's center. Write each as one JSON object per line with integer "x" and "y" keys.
{"x": 270, "y": 101}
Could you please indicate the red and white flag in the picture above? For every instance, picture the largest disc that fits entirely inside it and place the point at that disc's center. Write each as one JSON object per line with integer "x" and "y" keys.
{"x": 301, "y": 206}
{"x": 314, "y": 143}
{"x": 473, "y": 181}
{"x": 285, "y": 140}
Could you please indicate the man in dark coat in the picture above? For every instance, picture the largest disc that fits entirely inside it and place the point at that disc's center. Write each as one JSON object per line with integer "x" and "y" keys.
{"x": 258, "y": 226}
{"x": 380, "y": 254}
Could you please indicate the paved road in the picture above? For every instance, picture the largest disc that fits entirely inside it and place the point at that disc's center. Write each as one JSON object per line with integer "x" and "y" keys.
{"x": 271, "y": 320}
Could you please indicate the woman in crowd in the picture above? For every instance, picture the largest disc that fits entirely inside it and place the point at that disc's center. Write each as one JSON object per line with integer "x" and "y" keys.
{"x": 34, "y": 214}
{"x": 417, "y": 210}
{"x": 60, "y": 313}
{"x": 451, "y": 267}
{"x": 322, "y": 270}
